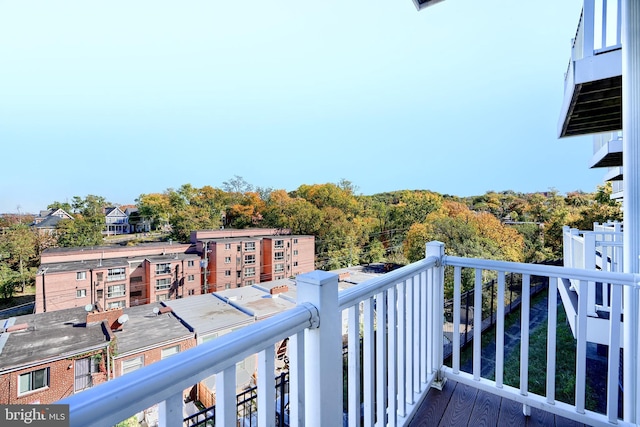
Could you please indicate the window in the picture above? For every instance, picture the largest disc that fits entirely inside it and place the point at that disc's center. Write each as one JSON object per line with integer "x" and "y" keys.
{"x": 191, "y": 292}
{"x": 295, "y": 241}
{"x": 191, "y": 278}
{"x": 163, "y": 284}
{"x": 227, "y": 246}
{"x": 116, "y": 274}
{"x": 295, "y": 263}
{"x": 249, "y": 259}
{"x": 163, "y": 268}
{"x": 135, "y": 293}
{"x": 33, "y": 380}
{"x": 249, "y": 272}
{"x": 227, "y": 273}
{"x": 279, "y": 256}
{"x": 227, "y": 260}
{"x": 295, "y": 252}
{"x": 279, "y": 277}
{"x": 82, "y": 373}
{"x": 249, "y": 282}
{"x": 135, "y": 279}
{"x": 162, "y": 297}
{"x": 115, "y": 291}
{"x": 131, "y": 365}
{"x": 279, "y": 268}
{"x": 81, "y": 293}
{"x": 227, "y": 285}
{"x": 190, "y": 263}
{"x": 115, "y": 304}
{"x": 81, "y": 275}
{"x": 249, "y": 246}
{"x": 170, "y": 351}
{"x": 278, "y": 244}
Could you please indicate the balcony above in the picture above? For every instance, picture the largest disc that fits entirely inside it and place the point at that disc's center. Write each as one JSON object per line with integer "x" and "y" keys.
{"x": 593, "y": 82}
{"x": 608, "y": 155}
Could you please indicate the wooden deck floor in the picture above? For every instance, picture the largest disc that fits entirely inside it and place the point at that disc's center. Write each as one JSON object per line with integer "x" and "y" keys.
{"x": 461, "y": 405}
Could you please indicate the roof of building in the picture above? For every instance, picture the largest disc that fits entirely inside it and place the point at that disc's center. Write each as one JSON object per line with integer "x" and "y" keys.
{"x": 48, "y": 336}
{"x": 147, "y": 329}
{"x": 256, "y": 301}
{"x": 208, "y": 314}
{"x": 60, "y": 267}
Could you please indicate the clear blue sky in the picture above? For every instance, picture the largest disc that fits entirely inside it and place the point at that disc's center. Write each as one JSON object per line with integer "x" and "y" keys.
{"x": 122, "y": 98}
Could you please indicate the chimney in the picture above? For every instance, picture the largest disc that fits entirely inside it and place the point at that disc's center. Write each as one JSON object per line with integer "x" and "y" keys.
{"x": 109, "y": 316}
{"x": 279, "y": 289}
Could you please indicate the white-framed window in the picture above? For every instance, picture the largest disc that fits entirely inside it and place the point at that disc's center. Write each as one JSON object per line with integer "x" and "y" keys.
{"x": 163, "y": 268}
{"x": 227, "y": 246}
{"x": 191, "y": 292}
{"x": 117, "y": 273}
{"x": 162, "y": 297}
{"x": 81, "y": 275}
{"x": 278, "y": 256}
{"x": 249, "y": 246}
{"x": 132, "y": 364}
{"x": 170, "y": 351}
{"x": 190, "y": 263}
{"x": 81, "y": 293}
{"x": 227, "y": 285}
{"x": 278, "y": 244}
{"x": 227, "y": 273}
{"x": 191, "y": 278}
{"x": 115, "y": 291}
{"x": 227, "y": 260}
{"x": 295, "y": 241}
{"x": 279, "y": 277}
{"x": 249, "y": 272}
{"x": 250, "y": 282}
{"x": 32, "y": 381}
{"x": 164, "y": 283}
{"x": 249, "y": 259}
{"x": 279, "y": 268}
{"x": 295, "y": 252}
{"x": 115, "y": 304}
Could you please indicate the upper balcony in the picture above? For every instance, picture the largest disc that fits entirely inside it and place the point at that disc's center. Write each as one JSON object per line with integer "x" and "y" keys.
{"x": 375, "y": 352}
{"x": 593, "y": 82}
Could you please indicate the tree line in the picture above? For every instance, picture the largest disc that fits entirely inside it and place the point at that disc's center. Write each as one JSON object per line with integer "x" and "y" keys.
{"x": 349, "y": 228}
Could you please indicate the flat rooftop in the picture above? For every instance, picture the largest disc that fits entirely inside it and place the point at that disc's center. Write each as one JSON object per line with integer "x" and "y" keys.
{"x": 48, "y": 336}
{"x": 207, "y": 314}
{"x": 145, "y": 328}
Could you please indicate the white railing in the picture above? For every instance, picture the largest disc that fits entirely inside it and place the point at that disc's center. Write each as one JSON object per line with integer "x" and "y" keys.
{"x": 600, "y": 249}
{"x": 395, "y": 326}
{"x": 576, "y": 410}
{"x": 599, "y": 30}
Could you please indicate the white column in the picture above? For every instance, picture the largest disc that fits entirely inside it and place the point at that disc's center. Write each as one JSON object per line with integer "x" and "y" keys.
{"x": 323, "y": 352}
{"x": 631, "y": 208}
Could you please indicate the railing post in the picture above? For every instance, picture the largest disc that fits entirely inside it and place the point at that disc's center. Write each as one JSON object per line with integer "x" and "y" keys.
{"x": 323, "y": 376}
{"x": 436, "y": 249}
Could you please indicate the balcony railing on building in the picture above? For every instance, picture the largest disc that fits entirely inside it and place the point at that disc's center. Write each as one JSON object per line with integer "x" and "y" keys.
{"x": 394, "y": 327}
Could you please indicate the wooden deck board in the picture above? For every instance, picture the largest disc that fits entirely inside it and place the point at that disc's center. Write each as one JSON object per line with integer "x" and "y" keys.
{"x": 462, "y": 405}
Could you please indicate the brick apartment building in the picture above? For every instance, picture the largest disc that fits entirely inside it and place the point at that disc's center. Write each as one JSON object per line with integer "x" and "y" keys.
{"x": 112, "y": 277}
{"x": 237, "y": 258}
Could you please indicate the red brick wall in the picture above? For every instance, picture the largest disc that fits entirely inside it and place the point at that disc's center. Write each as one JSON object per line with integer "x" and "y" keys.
{"x": 152, "y": 355}
{"x": 61, "y": 383}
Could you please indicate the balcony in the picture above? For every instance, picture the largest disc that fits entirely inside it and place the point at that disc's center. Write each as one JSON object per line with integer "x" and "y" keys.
{"x": 607, "y": 150}
{"x": 600, "y": 249}
{"x": 394, "y": 327}
{"x": 593, "y": 82}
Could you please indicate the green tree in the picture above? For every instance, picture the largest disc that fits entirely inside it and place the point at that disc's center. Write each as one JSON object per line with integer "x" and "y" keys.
{"x": 9, "y": 279}
{"x": 20, "y": 243}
